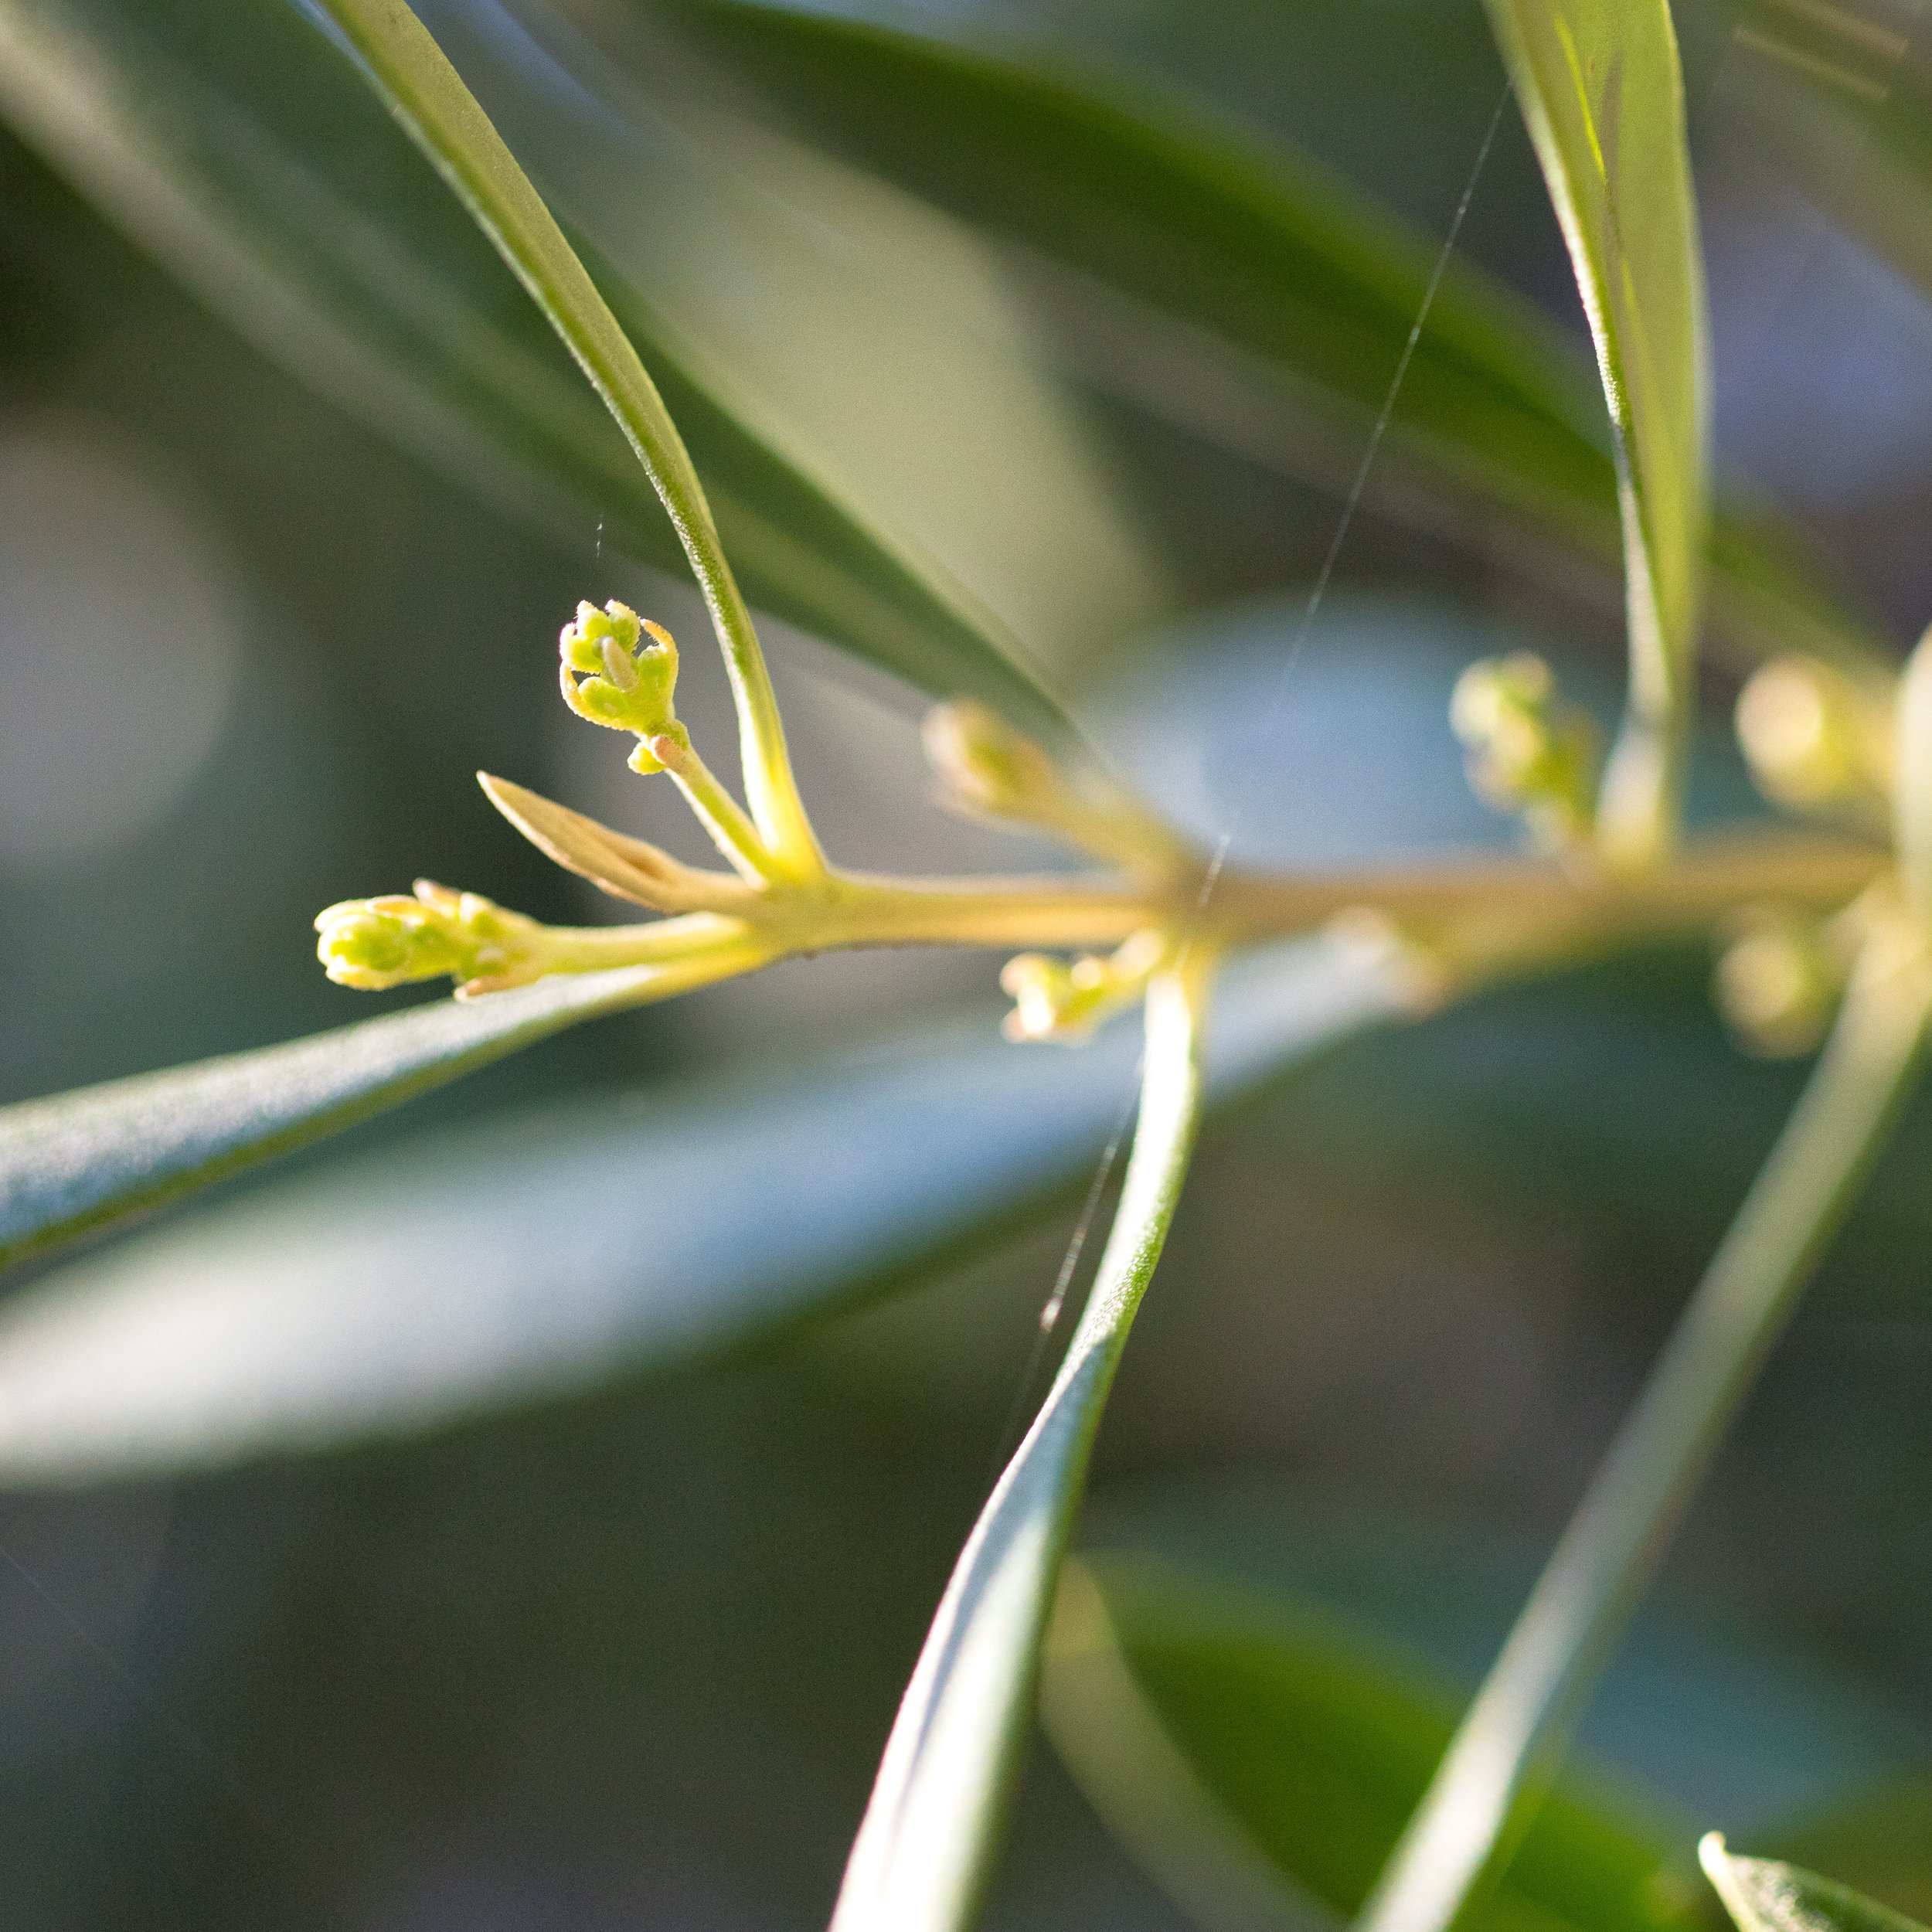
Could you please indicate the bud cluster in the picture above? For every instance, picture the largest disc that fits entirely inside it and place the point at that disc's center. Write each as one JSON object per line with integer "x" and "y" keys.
{"x": 1063, "y": 1001}
{"x": 375, "y": 944}
{"x": 1528, "y": 752}
{"x": 608, "y": 680}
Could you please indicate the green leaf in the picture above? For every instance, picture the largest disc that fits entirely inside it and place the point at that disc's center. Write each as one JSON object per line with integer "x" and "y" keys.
{"x": 923, "y": 1853}
{"x": 1694, "y": 1718}
{"x": 1881, "y": 1842}
{"x": 1840, "y": 99}
{"x": 1603, "y": 95}
{"x": 82, "y": 1161}
{"x": 539, "y": 1253}
{"x": 1260, "y": 1752}
{"x": 233, "y": 143}
{"x": 1235, "y": 289}
{"x": 413, "y": 75}
{"x": 1764, "y": 1896}
{"x": 864, "y": 332}
{"x": 1524, "y": 1715}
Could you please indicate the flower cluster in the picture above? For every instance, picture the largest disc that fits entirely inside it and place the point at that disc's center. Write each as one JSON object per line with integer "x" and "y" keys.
{"x": 607, "y": 679}
{"x": 375, "y": 944}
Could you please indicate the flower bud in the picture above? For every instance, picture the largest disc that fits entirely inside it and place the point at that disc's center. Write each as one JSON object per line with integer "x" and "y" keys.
{"x": 1041, "y": 991}
{"x": 375, "y": 944}
{"x": 1815, "y": 740}
{"x": 986, "y": 764}
{"x": 1528, "y": 752}
{"x": 1063, "y": 1001}
{"x": 988, "y": 770}
{"x": 1777, "y": 984}
{"x": 608, "y": 680}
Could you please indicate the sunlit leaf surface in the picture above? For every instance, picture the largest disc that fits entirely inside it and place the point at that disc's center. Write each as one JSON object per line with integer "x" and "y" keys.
{"x": 1764, "y": 1896}
{"x": 925, "y": 1847}
{"x": 82, "y": 1161}
{"x": 544, "y": 1253}
{"x": 1602, "y": 92}
{"x": 1880, "y": 1842}
{"x": 236, "y": 144}
{"x": 877, "y": 342}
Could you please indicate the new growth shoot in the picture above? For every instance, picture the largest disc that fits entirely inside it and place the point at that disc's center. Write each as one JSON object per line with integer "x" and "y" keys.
{"x": 1804, "y": 914}
{"x": 1122, "y": 923}
{"x": 1458, "y": 921}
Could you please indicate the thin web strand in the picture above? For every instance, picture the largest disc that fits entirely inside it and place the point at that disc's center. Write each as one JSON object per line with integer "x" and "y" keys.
{"x": 1272, "y": 712}
{"x": 1271, "y": 719}
{"x": 1056, "y": 1302}
{"x": 186, "y": 1742}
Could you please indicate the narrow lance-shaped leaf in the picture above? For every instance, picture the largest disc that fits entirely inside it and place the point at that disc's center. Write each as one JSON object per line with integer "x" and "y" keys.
{"x": 1235, "y": 290}
{"x": 1603, "y": 96}
{"x": 82, "y": 1161}
{"x": 256, "y": 165}
{"x": 1529, "y": 1704}
{"x": 530, "y": 1256}
{"x": 1138, "y": 1774}
{"x": 428, "y": 97}
{"x": 923, "y": 1851}
{"x": 1764, "y": 1896}
{"x": 1879, "y": 1839}
{"x": 1276, "y": 1564}
{"x": 861, "y": 330}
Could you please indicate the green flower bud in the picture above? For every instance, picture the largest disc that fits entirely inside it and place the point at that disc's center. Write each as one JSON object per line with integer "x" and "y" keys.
{"x": 1815, "y": 739}
{"x": 608, "y": 680}
{"x": 583, "y": 639}
{"x": 1062, "y": 1000}
{"x": 988, "y": 770}
{"x": 986, "y": 764}
{"x": 375, "y": 944}
{"x": 1528, "y": 752}
{"x": 1041, "y": 991}
{"x": 1778, "y": 983}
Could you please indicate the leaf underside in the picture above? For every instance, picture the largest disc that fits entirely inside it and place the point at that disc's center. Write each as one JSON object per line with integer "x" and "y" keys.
{"x": 537, "y": 1255}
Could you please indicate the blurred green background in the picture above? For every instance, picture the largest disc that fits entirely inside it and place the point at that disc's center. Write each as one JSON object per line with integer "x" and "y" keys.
{"x": 626, "y": 1658}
